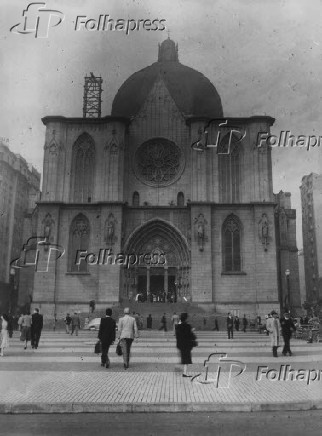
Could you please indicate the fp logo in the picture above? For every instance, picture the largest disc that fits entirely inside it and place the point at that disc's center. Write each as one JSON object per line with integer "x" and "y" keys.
{"x": 219, "y": 371}
{"x": 227, "y": 137}
{"x": 38, "y": 250}
{"x": 38, "y": 20}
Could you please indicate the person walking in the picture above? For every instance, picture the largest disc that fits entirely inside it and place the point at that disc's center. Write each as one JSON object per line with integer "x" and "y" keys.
{"x": 25, "y": 335}
{"x": 164, "y": 323}
{"x": 230, "y": 326}
{"x": 245, "y": 323}
{"x": 216, "y": 325}
{"x": 274, "y": 327}
{"x": 128, "y": 330}
{"x": 68, "y": 321}
{"x": 37, "y": 323}
{"x": 175, "y": 321}
{"x": 75, "y": 323}
{"x": 185, "y": 342}
{"x": 149, "y": 322}
{"x": 288, "y": 328}
{"x": 106, "y": 335}
{"x": 237, "y": 322}
{"x": 10, "y": 325}
{"x": 4, "y": 336}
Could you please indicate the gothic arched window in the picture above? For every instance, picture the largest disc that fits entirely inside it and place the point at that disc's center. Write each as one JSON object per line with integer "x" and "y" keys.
{"x": 231, "y": 244}
{"x": 83, "y": 165}
{"x": 180, "y": 199}
{"x": 79, "y": 233}
{"x": 136, "y": 199}
{"x": 229, "y": 169}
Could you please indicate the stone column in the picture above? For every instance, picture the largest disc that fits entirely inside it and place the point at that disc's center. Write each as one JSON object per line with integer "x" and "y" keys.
{"x": 166, "y": 279}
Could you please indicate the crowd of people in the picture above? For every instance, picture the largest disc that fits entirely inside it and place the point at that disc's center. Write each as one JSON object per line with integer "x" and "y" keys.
{"x": 31, "y": 326}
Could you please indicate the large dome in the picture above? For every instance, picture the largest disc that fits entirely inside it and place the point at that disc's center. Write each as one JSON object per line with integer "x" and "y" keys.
{"x": 192, "y": 92}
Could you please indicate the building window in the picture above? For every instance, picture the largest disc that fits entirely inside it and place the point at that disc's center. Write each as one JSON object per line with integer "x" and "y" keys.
{"x": 231, "y": 244}
{"x": 136, "y": 199}
{"x": 83, "y": 165}
{"x": 78, "y": 240}
{"x": 180, "y": 199}
{"x": 229, "y": 169}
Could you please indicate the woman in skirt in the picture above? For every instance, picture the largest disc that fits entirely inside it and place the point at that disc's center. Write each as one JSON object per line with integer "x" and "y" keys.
{"x": 4, "y": 337}
{"x": 26, "y": 329}
{"x": 185, "y": 339}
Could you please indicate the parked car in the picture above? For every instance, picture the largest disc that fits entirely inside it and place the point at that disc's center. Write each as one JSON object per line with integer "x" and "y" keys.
{"x": 94, "y": 324}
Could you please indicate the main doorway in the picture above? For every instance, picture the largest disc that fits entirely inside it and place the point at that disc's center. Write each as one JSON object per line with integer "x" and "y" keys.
{"x": 164, "y": 282}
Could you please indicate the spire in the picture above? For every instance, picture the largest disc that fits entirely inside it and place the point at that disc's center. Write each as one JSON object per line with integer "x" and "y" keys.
{"x": 168, "y": 51}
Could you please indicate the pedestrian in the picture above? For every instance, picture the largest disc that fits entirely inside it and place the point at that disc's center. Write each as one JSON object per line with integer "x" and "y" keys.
{"x": 163, "y": 323}
{"x": 55, "y": 322}
{"x": 266, "y": 319}
{"x": 68, "y": 321}
{"x": 75, "y": 323}
{"x": 10, "y": 325}
{"x": 128, "y": 330}
{"x": 185, "y": 342}
{"x": 245, "y": 323}
{"x": 106, "y": 335}
{"x": 274, "y": 327}
{"x": 175, "y": 322}
{"x": 230, "y": 326}
{"x": 149, "y": 322}
{"x": 4, "y": 336}
{"x": 216, "y": 325}
{"x": 237, "y": 322}
{"x": 37, "y": 323}
{"x": 287, "y": 327}
{"x": 25, "y": 335}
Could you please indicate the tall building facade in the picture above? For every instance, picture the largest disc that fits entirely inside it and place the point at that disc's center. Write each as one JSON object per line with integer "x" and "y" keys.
{"x": 311, "y": 197}
{"x": 19, "y": 191}
{"x": 287, "y": 252}
{"x": 201, "y": 224}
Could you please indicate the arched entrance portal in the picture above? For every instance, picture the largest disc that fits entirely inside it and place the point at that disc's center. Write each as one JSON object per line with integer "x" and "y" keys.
{"x": 164, "y": 274}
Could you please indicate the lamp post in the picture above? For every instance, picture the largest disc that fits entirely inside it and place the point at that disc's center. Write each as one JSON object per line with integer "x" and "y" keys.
{"x": 12, "y": 274}
{"x": 288, "y": 288}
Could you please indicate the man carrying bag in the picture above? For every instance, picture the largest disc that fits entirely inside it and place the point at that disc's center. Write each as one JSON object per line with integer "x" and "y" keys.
{"x": 106, "y": 335}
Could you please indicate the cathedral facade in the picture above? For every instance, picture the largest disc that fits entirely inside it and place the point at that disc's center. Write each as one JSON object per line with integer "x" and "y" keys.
{"x": 140, "y": 213}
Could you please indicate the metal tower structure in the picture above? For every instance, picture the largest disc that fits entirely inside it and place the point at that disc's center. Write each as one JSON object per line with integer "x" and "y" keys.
{"x": 92, "y": 97}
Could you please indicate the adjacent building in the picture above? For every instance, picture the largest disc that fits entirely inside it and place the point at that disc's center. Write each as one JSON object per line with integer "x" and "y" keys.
{"x": 19, "y": 191}
{"x": 311, "y": 196}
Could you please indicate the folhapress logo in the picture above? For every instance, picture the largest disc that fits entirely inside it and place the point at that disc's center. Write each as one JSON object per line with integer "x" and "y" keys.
{"x": 37, "y": 19}
{"x": 219, "y": 371}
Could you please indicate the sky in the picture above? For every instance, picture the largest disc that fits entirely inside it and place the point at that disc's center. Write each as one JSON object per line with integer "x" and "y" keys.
{"x": 264, "y": 58}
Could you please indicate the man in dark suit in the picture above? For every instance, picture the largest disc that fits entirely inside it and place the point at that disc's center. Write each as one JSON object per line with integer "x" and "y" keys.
{"x": 37, "y": 323}
{"x": 287, "y": 327}
{"x": 230, "y": 326}
{"x": 106, "y": 335}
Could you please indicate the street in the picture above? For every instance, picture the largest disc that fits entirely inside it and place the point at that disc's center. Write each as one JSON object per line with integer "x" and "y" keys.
{"x": 156, "y": 424}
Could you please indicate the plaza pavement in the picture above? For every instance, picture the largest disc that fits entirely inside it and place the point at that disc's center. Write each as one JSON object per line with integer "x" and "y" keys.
{"x": 64, "y": 375}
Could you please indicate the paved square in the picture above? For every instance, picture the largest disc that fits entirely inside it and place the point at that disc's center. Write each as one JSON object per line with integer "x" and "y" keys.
{"x": 64, "y": 375}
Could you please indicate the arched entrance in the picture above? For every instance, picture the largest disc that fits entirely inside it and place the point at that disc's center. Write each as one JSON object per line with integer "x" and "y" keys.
{"x": 164, "y": 278}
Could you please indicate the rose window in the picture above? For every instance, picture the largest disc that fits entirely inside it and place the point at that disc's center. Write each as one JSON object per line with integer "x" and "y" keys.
{"x": 158, "y": 162}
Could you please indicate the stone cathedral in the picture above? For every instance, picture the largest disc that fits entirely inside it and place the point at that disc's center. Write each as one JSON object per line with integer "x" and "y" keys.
{"x": 131, "y": 183}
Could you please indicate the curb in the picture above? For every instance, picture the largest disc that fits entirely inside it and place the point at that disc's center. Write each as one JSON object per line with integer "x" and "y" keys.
{"x": 37, "y": 408}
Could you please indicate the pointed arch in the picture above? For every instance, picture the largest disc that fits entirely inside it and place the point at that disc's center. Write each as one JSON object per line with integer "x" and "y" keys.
{"x": 136, "y": 199}
{"x": 180, "y": 199}
{"x": 83, "y": 169}
{"x": 79, "y": 234}
{"x": 229, "y": 169}
{"x": 231, "y": 244}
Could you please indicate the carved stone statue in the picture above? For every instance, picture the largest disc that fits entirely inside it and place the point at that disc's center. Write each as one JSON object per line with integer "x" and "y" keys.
{"x": 200, "y": 223}
{"x": 264, "y": 230}
{"x": 109, "y": 233}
